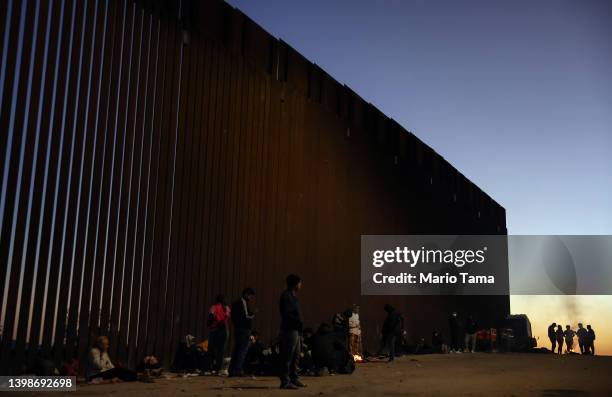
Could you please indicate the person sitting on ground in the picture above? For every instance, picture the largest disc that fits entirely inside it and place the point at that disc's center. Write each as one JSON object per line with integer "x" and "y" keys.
{"x": 559, "y": 335}
{"x": 150, "y": 366}
{"x": 255, "y": 355}
{"x": 306, "y": 363}
{"x": 569, "y": 339}
{"x": 438, "y": 344}
{"x": 328, "y": 352}
{"x": 100, "y": 367}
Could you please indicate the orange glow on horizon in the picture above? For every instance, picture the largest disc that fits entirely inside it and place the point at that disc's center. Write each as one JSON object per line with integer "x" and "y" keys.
{"x": 543, "y": 310}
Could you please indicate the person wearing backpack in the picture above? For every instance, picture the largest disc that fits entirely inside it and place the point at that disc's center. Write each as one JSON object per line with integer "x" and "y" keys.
{"x": 218, "y": 324}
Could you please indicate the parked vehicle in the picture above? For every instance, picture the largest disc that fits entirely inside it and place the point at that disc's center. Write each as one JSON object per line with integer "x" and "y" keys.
{"x": 516, "y": 334}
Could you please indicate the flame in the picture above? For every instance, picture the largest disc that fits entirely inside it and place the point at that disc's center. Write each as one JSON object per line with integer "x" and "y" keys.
{"x": 357, "y": 358}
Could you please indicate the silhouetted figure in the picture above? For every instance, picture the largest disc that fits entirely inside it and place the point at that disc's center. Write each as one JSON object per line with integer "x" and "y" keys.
{"x": 100, "y": 366}
{"x": 582, "y": 339}
{"x": 569, "y": 339}
{"x": 242, "y": 318}
{"x": 453, "y": 325}
{"x": 559, "y": 336}
{"x": 552, "y": 336}
{"x": 218, "y": 324}
{"x": 591, "y": 339}
{"x": 391, "y": 330}
{"x": 438, "y": 344}
{"x": 340, "y": 325}
{"x": 291, "y": 327}
{"x": 470, "y": 334}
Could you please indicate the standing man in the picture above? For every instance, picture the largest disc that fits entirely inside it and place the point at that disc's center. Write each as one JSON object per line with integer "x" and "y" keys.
{"x": 242, "y": 318}
{"x": 590, "y": 339}
{"x": 582, "y": 339}
{"x": 470, "y": 334}
{"x": 569, "y": 339}
{"x": 355, "y": 332}
{"x": 552, "y": 336}
{"x": 291, "y": 327}
{"x": 453, "y": 325}
{"x": 391, "y": 330}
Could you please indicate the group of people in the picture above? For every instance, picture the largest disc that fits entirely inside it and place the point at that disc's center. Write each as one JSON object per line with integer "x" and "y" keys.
{"x": 332, "y": 348}
{"x": 586, "y": 338}
{"x": 241, "y": 315}
{"x": 470, "y": 328}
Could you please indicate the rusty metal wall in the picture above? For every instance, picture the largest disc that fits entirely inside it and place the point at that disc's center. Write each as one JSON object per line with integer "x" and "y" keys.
{"x": 154, "y": 154}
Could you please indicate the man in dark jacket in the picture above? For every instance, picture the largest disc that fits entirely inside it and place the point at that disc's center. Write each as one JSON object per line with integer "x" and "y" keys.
{"x": 391, "y": 330}
{"x": 291, "y": 327}
{"x": 582, "y": 338}
{"x": 242, "y": 318}
{"x": 552, "y": 336}
{"x": 590, "y": 340}
{"x": 470, "y": 334}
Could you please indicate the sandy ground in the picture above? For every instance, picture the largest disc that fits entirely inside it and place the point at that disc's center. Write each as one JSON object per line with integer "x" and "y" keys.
{"x": 478, "y": 374}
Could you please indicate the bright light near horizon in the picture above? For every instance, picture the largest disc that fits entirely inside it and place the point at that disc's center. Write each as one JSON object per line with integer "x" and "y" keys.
{"x": 543, "y": 310}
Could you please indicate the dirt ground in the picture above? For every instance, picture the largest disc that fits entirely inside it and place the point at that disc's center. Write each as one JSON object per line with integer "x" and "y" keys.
{"x": 478, "y": 374}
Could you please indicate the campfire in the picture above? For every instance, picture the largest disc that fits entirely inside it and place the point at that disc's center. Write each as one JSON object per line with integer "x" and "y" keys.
{"x": 357, "y": 358}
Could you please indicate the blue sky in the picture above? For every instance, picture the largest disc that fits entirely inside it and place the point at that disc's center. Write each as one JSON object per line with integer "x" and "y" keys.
{"x": 516, "y": 94}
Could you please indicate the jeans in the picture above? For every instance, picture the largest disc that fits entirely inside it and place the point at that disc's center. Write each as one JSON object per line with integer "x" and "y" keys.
{"x": 216, "y": 345}
{"x": 389, "y": 344}
{"x": 470, "y": 339}
{"x": 241, "y": 347}
{"x": 289, "y": 356}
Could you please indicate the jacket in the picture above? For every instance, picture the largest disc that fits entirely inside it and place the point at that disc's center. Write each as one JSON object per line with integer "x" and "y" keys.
{"x": 290, "y": 312}
{"x": 241, "y": 317}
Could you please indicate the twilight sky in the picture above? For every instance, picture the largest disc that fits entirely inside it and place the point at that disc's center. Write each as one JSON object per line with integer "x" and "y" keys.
{"x": 517, "y": 95}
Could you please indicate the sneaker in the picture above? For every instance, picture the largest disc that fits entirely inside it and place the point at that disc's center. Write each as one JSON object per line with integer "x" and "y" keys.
{"x": 289, "y": 386}
{"x": 298, "y": 383}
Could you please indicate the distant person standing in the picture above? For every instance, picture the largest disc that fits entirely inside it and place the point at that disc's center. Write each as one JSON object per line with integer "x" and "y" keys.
{"x": 340, "y": 326}
{"x": 590, "y": 339}
{"x": 582, "y": 339}
{"x": 453, "y": 325}
{"x": 291, "y": 327}
{"x": 552, "y": 336}
{"x": 559, "y": 336}
{"x": 218, "y": 325}
{"x": 569, "y": 339}
{"x": 242, "y": 318}
{"x": 391, "y": 330}
{"x": 470, "y": 334}
{"x": 355, "y": 332}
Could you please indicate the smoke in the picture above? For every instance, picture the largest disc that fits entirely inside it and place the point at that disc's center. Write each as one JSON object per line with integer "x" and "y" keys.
{"x": 572, "y": 308}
